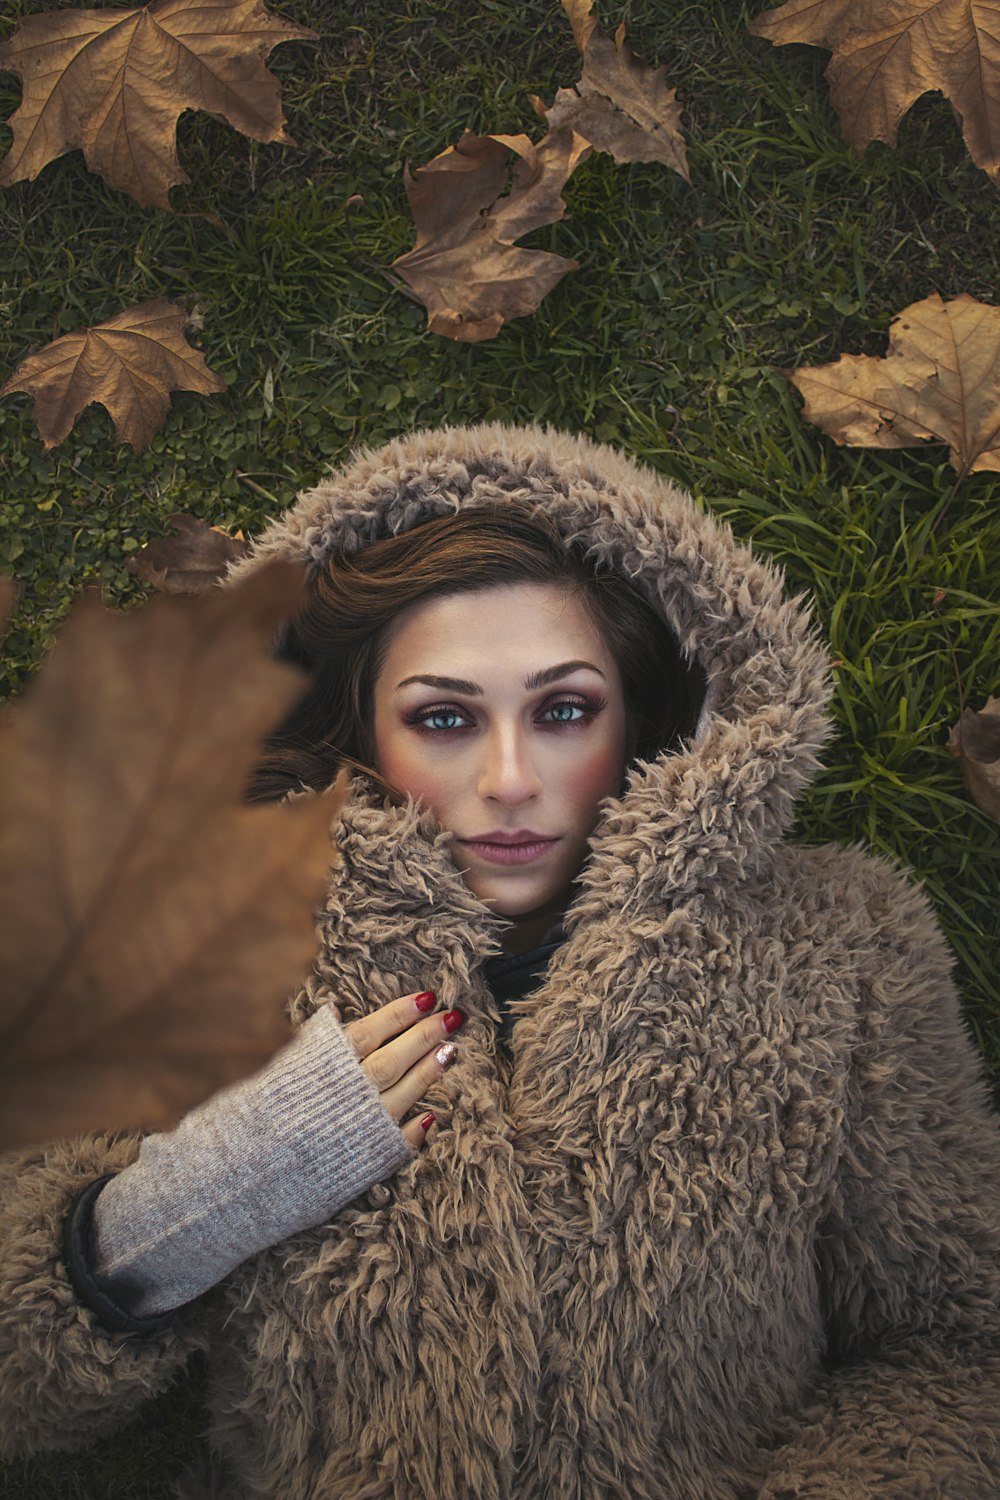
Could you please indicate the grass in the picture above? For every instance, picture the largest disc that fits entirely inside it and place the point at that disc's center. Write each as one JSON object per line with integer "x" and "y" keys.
{"x": 787, "y": 248}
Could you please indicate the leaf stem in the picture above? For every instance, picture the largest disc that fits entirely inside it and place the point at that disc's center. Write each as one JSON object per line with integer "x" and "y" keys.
{"x": 258, "y": 489}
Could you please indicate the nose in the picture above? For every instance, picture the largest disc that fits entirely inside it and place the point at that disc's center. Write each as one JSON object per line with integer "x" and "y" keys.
{"x": 508, "y": 773}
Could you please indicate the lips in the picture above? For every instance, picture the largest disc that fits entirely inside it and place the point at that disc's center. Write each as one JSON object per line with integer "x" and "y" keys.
{"x": 509, "y": 853}
{"x": 522, "y": 836}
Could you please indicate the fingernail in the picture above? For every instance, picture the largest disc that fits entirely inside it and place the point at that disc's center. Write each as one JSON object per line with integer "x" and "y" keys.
{"x": 453, "y": 1020}
{"x": 427, "y": 1122}
{"x": 425, "y": 1001}
{"x": 446, "y": 1055}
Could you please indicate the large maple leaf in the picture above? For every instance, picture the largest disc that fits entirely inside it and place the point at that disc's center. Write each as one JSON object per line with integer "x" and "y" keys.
{"x": 113, "y": 82}
{"x": 886, "y": 55}
{"x": 130, "y": 364}
{"x": 939, "y": 382}
{"x": 151, "y": 922}
{"x": 464, "y": 267}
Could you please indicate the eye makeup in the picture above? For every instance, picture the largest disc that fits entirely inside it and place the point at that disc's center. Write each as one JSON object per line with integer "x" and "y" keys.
{"x": 589, "y": 707}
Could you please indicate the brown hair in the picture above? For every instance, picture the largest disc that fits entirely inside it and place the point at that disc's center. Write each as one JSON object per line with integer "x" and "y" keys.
{"x": 342, "y": 638}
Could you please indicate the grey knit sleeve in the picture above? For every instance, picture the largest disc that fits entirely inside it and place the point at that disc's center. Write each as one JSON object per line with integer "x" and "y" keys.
{"x": 263, "y": 1159}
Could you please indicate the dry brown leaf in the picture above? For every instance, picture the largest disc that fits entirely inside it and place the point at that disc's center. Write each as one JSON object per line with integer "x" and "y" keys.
{"x": 620, "y": 105}
{"x": 130, "y": 364}
{"x": 975, "y": 741}
{"x": 465, "y": 267}
{"x": 151, "y": 922}
{"x": 885, "y": 56}
{"x": 113, "y": 82}
{"x": 939, "y": 382}
{"x": 193, "y": 562}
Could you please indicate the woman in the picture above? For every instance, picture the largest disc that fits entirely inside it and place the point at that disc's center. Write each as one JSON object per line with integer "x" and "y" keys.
{"x": 710, "y": 1211}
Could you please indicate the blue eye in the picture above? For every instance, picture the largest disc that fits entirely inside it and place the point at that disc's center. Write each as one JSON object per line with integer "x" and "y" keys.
{"x": 437, "y": 713}
{"x": 578, "y": 706}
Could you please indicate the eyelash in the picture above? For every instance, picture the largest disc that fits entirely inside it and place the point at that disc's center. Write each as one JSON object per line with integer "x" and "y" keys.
{"x": 590, "y": 707}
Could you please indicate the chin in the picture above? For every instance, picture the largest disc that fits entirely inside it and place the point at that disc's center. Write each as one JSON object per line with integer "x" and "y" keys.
{"x": 510, "y": 908}
{"x": 523, "y": 903}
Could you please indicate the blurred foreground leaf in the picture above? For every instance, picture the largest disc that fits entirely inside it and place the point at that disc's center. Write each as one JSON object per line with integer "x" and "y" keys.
{"x": 151, "y": 922}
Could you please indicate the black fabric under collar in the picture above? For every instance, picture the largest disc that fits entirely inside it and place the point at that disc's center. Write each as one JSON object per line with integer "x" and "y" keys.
{"x": 511, "y": 976}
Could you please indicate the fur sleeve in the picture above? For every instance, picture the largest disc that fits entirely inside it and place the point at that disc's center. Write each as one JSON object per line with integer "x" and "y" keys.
{"x": 909, "y": 1253}
{"x": 63, "y": 1380}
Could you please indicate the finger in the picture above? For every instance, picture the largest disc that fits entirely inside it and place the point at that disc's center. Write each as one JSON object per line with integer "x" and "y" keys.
{"x": 389, "y": 1021}
{"x": 415, "y": 1132}
{"x": 402, "y": 1096}
{"x": 337, "y": 1011}
{"x": 390, "y": 1064}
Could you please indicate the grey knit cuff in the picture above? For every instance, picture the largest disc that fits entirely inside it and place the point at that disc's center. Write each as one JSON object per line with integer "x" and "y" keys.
{"x": 274, "y": 1154}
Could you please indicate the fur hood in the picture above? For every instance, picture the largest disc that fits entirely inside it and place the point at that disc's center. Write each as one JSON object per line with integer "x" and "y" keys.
{"x": 711, "y": 811}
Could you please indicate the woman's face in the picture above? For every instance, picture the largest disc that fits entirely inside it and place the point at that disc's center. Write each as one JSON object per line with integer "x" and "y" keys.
{"x": 463, "y": 722}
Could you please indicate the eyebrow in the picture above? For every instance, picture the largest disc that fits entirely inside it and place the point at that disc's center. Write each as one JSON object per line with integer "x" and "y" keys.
{"x": 473, "y": 690}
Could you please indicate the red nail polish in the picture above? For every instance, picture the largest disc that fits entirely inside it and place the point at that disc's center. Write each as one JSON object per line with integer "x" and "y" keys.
{"x": 453, "y": 1020}
{"x": 427, "y": 1122}
{"x": 425, "y": 1001}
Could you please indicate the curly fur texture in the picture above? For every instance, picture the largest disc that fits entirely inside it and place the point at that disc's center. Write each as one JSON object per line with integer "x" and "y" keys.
{"x": 724, "y": 1227}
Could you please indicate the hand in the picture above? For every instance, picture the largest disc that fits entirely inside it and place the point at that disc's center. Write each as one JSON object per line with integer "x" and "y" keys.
{"x": 397, "y": 1046}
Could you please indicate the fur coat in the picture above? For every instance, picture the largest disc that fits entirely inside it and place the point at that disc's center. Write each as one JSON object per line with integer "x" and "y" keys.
{"x": 723, "y": 1225}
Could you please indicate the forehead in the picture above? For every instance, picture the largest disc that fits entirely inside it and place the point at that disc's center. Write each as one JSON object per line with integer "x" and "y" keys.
{"x": 526, "y": 620}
